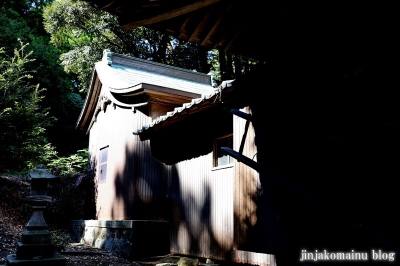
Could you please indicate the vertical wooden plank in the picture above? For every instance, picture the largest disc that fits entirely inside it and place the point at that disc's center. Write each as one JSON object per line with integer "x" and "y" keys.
{"x": 247, "y": 187}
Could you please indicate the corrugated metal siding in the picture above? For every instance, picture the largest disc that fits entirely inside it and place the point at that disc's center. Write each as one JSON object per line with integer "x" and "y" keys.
{"x": 216, "y": 211}
{"x": 253, "y": 258}
{"x": 110, "y": 130}
{"x": 205, "y": 205}
{"x": 135, "y": 185}
{"x": 149, "y": 177}
{"x": 202, "y": 208}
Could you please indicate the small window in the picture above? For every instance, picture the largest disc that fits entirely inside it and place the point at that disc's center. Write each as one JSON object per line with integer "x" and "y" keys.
{"x": 103, "y": 164}
{"x": 220, "y": 157}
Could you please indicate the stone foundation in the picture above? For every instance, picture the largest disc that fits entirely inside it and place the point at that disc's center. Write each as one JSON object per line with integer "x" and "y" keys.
{"x": 132, "y": 239}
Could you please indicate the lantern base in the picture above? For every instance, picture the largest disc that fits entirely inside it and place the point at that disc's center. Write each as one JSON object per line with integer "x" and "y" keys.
{"x": 56, "y": 260}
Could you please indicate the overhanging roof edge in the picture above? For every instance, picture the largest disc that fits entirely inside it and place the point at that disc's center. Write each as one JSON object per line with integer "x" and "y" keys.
{"x": 80, "y": 124}
{"x": 165, "y": 120}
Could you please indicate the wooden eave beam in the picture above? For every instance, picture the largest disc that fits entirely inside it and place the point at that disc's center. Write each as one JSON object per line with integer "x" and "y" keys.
{"x": 215, "y": 26}
{"x": 229, "y": 45}
{"x": 170, "y": 14}
{"x": 200, "y": 26}
{"x": 219, "y": 42}
{"x": 109, "y": 5}
{"x": 182, "y": 28}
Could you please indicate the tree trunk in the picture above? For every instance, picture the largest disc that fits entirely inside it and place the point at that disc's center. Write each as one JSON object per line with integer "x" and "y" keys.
{"x": 204, "y": 67}
{"x": 238, "y": 66}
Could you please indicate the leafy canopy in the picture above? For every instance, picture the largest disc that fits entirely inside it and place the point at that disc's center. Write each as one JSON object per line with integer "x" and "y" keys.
{"x": 22, "y": 120}
{"x": 82, "y": 31}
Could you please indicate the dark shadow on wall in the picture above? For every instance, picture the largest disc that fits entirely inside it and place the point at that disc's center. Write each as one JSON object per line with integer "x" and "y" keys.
{"x": 147, "y": 189}
{"x": 191, "y": 223}
{"x": 141, "y": 186}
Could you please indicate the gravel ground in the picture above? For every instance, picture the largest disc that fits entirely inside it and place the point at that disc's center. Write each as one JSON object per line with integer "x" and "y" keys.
{"x": 15, "y": 214}
{"x": 75, "y": 253}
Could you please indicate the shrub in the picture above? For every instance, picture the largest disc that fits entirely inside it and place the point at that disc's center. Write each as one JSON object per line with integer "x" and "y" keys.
{"x": 60, "y": 239}
{"x": 22, "y": 119}
{"x": 74, "y": 164}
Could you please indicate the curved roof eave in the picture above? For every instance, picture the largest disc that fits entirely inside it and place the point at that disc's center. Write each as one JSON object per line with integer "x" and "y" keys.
{"x": 89, "y": 104}
{"x": 205, "y": 101}
{"x": 108, "y": 77}
{"x": 124, "y": 77}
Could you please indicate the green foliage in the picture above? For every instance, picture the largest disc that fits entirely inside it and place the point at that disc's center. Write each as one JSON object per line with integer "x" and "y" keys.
{"x": 74, "y": 198}
{"x": 23, "y": 19}
{"x": 22, "y": 119}
{"x": 61, "y": 97}
{"x": 60, "y": 239}
{"x": 20, "y": 19}
{"x": 13, "y": 28}
{"x": 214, "y": 65}
{"x": 73, "y": 164}
{"x": 75, "y": 100}
{"x": 83, "y": 31}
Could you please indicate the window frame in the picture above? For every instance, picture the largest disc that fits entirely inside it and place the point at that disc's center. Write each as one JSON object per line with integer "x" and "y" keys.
{"x": 217, "y": 151}
{"x": 102, "y": 178}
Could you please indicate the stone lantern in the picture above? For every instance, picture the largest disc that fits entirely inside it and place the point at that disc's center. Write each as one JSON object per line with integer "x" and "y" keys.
{"x": 35, "y": 247}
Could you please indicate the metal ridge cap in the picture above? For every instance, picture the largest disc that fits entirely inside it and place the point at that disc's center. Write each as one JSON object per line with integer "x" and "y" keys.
{"x": 108, "y": 58}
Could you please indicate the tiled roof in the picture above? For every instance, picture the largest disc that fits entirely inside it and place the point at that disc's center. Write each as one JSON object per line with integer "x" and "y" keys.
{"x": 122, "y": 74}
{"x": 128, "y": 72}
{"x": 205, "y": 100}
{"x": 118, "y": 78}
